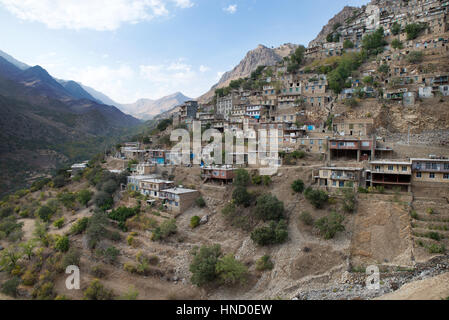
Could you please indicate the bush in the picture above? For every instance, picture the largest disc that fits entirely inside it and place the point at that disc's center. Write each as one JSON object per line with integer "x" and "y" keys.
{"x": 374, "y": 43}
{"x": 384, "y": 68}
{"x": 103, "y": 200}
{"x": 121, "y": 214}
{"x": 195, "y": 222}
{"x": 71, "y": 258}
{"x": 96, "y": 291}
{"x": 257, "y": 179}
{"x": 241, "y": 196}
{"x": 166, "y": 229}
{"x": 415, "y": 57}
{"x": 266, "y": 180}
{"x": 317, "y": 198}
{"x": 67, "y": 199}
{"x": 9, "y": 287}
{"x": 230, "y": 271}
{"x": 298, "y": 186}
{"x": 203, "y": 266}
{"x": 274, "y": 233}
{"x": 241, "y": 178}
{"x": 330, "y": 225}
{"x": 396, "y": 44}
{"x": 348, "y": 44}
{"x": 298, "y": 154}
{"x": 436, "y": 248}
{"x": 59, "y": 223}
{"x": 111, "y": 254}
{"x": 62, "y": 244}
{"x": 349, "y": 201}
{"x": 264, "y": 263}
{"x": 396, "y": 28}
{"x": 110, "y": 186}
{"x": 79, "y": 226}
{"x": 414, "y": 29}
{"x": 200, "y": 202}
{"x": 96, "y": 228}
{"x": 84, "y": 196}
{"x": 268, "y": 207}
{"x": 45, "y": 213}
{"x": 306, "y": 218}
{"x": 59, "y": 181}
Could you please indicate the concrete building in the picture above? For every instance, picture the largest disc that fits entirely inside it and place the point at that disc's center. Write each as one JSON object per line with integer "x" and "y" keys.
{"x": 390, "y": 174}
{"x": 178, "y": 200}
{"x": 351, "y": 148}
{"x": 153, "y": 187}
{"x": 222, "y": 174}
{"x": 334, "y": 178}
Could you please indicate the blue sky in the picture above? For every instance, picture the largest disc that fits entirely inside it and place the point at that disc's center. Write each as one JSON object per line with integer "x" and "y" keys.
{"x": 131, "y": 49}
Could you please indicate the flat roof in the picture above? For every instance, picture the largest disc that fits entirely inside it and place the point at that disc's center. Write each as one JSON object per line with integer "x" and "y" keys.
{"x": 152, "y": 180}
{"x": 434, "y": 160}
{"x": 390, "y": 162}
{"x": 179, "y": 190}
{"x": 342, "y": 168}
{"x": 143, "y": 177}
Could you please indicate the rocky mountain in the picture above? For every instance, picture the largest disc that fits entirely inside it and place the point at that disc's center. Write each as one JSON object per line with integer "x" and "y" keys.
{"x": 46, "y": 123}
{"x": 346, "y": 13}
{"x": 261, "y": 56}
{"x": 97, "y": 95}
{"x": 147, "y": 109}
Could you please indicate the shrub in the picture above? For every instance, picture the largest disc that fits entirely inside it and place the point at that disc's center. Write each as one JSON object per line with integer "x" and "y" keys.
{"x": 203, "y": 266}
{"x": 71, "y": 258}
{"x": 96, "y": 291}
{"x": 414, "y": 29}
{"x": 349, "y": 201}
{"x": 414, "y": 214}
{"x": 98, "y": 271}
{"x": 298, "y": 154}
{"x": 396, "y": 28}
{"x": 306, "y": 218}
{"x": 373, "y": 43}
{"x": 434, "y": 235}
{"x": 430, "y": 211}
{"x": 62, "y": 244}
{"x": 9, "y": 287}
{"x": 317, "y": 198}
{"x": 241, "y": 177}
{"x": 298, "y": 186}
{"x": 274, "y": 233}
{"x": 45, "y": 213}
{"x": 200, "y": 202}
{"x": 241, "y": 196}
{"x": 67, "y": 199}
{"x": 132, "y": 294}
{"x": 257, "y": 179}
{"x": 230, "y": 271}
{"x": 268, "y": 207}
{"x": 103, "y": 200}
{"x": 166, "y": 229}
{"x": 29, "y": 278}
{"x": 266, "y": 180}
{"x": 384, "y": 68}
{"x": 79, "y": 226}
{"x": 96, "y": 228}
{"x": 348, "y": 44}
{"x": 264, "y": 263}
{"x": 59, "y": 223}
{"x": 121, "y": 214}
{"x": 415, "y": 57}
{"x": 111, "y": 254}
{"x": 110, "y": 186}
{"x": 436, "y": 248}
{"x": 84, "y": 196}
{"x": 396, "y": 44}
{"x": 59, "y": 181}
{"x": 330, "y": 225}
{"x": 195, "y": 222}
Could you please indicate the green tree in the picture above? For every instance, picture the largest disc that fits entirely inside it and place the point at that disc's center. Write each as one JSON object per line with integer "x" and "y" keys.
{"x": 414, "y": 29}
{"x": 330, "y": 225}
{"x": 241, "y": 196}
{"x": 298, "y": 186}
{"x": 396, "y": 44}
{"x": 274, "y": 233}
{"x": 264, "y": 263}
{"x": 317, "y": 198}
{"x": 241, "y": 177}
{"x": 45, "y": 213}
{"x": 230, "y": 271}
{"x": 348, "y": 44}
{"x": 103, "y": 200}
{"x": 166, "y": 229}
{"x": 203, "y": 266}
{"x": 84, "y": 196}
{"x": 396, "y": 28}
{"x": 415, "y": 57}
{"x": 374, "y": 43}
{"x": 268, "y": 207}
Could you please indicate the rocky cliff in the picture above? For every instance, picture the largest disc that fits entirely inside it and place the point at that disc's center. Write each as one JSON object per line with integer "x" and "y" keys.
{"x": 261, "y": 56}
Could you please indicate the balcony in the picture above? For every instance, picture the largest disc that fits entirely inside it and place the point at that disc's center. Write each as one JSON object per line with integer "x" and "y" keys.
{"x": 343, "y": 177}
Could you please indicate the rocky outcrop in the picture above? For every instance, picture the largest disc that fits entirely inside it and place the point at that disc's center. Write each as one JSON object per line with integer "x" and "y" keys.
{"x": 340, "y": 17}
{"x": 261, "y": 56}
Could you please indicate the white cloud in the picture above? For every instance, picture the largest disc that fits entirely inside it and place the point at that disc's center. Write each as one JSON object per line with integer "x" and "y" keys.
{"x": 101, "y": 15}
{"x": 184, "y": 3}
{"x": 232, "y": 8}
{"x": 111, "y": 81}
{"x": 204, "y": 68}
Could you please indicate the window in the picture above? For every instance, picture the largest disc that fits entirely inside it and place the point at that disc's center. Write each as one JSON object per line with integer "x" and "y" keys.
{"x": 334, "y": 183}
{"x": 432, "y": 175}
{"x": 341, "y": 184}
{"x": 377, "y": 168}
{"x": 446, "y": 176}
{"x": 446, "y": 166}
{"x": 404, "y": 168}
{"x": 390, "y": 168}
{"x": 365, "y": 143}
{"x": 418, "y": 174}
